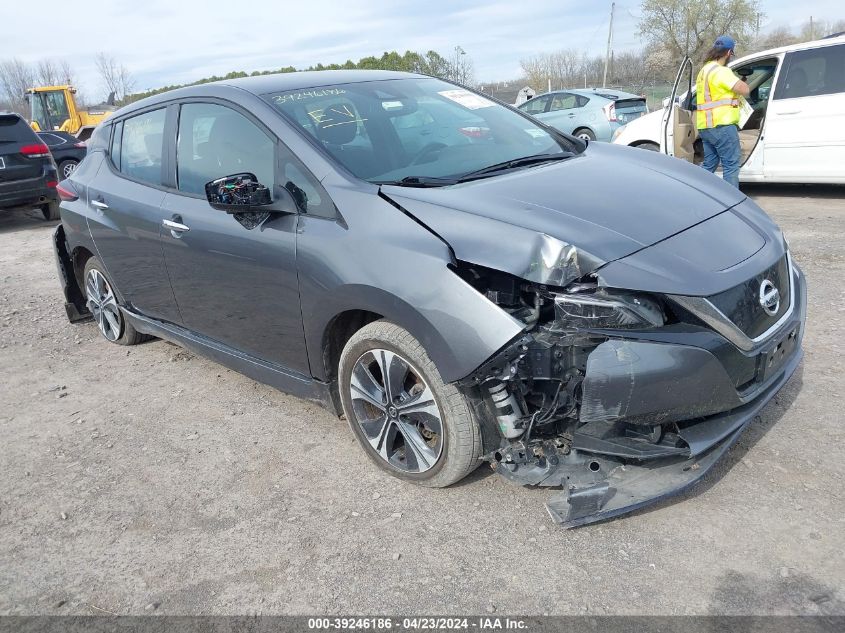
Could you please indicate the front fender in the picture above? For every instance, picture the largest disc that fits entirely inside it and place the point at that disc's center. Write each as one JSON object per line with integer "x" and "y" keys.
{"x": 380, "y": 260}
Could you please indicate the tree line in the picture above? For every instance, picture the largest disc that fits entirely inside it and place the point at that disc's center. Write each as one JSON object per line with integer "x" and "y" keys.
{"x": 670, "y": 29}
{"x": 16, "y": 77}
{"x": 456, "y": 68}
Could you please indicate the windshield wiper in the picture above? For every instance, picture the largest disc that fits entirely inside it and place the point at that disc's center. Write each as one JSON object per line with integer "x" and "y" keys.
{"x": 419, "y": 181}
{"x": 514, "y": 163}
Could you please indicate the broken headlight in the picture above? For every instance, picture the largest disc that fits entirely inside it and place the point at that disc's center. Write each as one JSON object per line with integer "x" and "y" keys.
{"x": 606, "y": 310}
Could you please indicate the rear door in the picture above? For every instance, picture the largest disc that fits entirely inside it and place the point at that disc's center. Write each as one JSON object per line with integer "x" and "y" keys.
{"x": 125, "y": 215}
{"x": 234, "y": 278}
{"x": 678, "y": 131}
{"x": 804, "y": 133}
{"x": 562, "y": 110}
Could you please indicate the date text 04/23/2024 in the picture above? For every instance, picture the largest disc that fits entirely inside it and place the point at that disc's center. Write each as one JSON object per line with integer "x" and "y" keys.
{"x": 484, "y": 623}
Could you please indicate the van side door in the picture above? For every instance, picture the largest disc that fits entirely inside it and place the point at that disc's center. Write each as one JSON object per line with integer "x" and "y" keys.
{"x": 805, "y": 127}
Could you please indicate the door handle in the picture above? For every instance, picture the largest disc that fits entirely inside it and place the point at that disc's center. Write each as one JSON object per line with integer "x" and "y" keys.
{"x": 790, "y": 112}
{"x": 99, "y": 204}
{"x": 175, "y": 226}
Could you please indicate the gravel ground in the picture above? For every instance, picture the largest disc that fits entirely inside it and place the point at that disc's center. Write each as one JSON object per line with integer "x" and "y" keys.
{"x": 145, "y": 479}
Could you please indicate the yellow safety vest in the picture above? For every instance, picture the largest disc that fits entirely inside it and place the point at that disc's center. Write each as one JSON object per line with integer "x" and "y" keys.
{"x": 715, "y": 104}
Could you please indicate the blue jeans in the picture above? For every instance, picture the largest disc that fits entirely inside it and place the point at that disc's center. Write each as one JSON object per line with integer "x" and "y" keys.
{"x": 721, "y": 143}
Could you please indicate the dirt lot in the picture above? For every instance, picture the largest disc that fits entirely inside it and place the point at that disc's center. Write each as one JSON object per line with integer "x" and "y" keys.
{"x": 147, "y": 480}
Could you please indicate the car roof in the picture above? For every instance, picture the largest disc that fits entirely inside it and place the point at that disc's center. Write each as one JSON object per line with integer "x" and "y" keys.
{"x": 600, "y": 92}
{"x": 830, "y": 40}
{"x": 590, "y": 92}
{"x": 279, "y": 82}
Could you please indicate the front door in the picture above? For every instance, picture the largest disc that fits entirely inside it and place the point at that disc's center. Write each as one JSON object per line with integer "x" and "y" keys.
{"x": 805, "y": 126}
{"x": 678, "y": 129}
{"x": 234, "y": 282}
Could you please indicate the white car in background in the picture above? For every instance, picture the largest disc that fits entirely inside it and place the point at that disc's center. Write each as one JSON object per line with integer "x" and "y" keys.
{"x": 797, "y": 131}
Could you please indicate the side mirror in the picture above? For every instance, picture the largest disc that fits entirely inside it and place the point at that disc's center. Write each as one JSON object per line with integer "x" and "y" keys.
{"x": 238, "y": 193}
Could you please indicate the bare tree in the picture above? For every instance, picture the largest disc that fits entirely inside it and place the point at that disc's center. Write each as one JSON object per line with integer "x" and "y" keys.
{"x": 115, "y": 76}
{"x": 461, "y": 68}
{"x": 16, "y": 77}
{"x": 689, "y": 27}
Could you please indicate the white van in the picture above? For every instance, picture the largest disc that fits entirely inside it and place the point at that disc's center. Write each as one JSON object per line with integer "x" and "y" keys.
{"x": 797, "y": 131}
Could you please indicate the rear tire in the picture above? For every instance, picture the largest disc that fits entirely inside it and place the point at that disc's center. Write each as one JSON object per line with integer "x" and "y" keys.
{"x": 584, "y": 134}
{"x": 67, "y": 167}
{"x": 102, "y": 301}
{"x": 420, "y": 429}
{"x": 50, "y": 211}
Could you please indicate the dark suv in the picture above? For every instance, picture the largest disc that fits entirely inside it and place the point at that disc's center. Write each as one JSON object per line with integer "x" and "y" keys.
{"x": 28, "y": 174}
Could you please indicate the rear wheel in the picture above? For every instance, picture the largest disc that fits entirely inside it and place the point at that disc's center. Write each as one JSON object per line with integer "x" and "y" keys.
{"x": 50, "y": 211}
{"x": 102, "y": 303}
{"x": 406, "y": 419}
{"x": 584, "y": 134}
{"x": 652, "y": 147}
{"x": 67, "y": 167}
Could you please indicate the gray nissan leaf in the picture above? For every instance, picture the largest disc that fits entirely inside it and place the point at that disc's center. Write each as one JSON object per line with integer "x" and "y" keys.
{"x": 462, "y": 283}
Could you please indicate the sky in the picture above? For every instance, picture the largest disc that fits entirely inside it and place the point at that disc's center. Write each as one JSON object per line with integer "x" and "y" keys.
{"x": 164, "y": 42}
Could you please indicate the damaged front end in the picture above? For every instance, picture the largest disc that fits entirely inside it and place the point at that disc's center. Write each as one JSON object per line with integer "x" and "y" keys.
{"x": 615, "y": 397}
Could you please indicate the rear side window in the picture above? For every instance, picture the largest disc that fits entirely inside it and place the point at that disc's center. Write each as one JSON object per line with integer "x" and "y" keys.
{"x": 564, "y": 102}
{"x": 819, "y": 71}
{"x": 14, "y": 129}
{"x": 141, "y": 146}
{"x": 52, "y": 140}
{"x": 216, "y": 141}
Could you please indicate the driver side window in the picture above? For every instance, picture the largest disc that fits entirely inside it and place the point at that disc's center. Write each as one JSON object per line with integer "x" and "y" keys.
{"x": 216, "y": 141}
{"x": 537, "y": 105}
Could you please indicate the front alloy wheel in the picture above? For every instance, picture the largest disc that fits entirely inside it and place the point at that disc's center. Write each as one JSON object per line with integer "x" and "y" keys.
{"x": 103, "y": 305}
{"x": 408, "y": 421}
{"x": 396, "y": 411}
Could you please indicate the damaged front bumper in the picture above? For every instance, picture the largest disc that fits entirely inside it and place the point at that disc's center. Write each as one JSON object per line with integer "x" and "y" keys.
{"x": 655, "y": 415}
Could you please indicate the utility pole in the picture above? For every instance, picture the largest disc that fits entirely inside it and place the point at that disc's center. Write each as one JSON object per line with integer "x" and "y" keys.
{"x": 609, "y": 45}
{"x": 812, "y": 29}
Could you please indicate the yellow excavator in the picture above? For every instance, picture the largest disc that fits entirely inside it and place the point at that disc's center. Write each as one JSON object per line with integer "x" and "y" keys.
{"x": 54, "y": 108}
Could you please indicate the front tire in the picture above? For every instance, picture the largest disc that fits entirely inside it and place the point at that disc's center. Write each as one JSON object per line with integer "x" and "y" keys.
{"x": 408, "y": 421}
{"x": 102, "y": 302}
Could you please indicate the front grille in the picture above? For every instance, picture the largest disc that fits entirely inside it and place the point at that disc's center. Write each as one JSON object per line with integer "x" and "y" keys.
{"x": 741, "y": 304}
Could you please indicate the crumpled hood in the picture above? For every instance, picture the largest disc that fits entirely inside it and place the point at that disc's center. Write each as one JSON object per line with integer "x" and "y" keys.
{"x": 608, "y": 202}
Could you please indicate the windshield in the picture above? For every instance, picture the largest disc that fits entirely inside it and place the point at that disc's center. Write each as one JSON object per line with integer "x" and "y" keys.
{"x": 387, "y": 131}
{"x": 56, "y": 109}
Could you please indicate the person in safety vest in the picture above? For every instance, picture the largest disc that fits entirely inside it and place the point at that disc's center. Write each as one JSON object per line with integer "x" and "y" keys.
{"x": 717, "y": 92}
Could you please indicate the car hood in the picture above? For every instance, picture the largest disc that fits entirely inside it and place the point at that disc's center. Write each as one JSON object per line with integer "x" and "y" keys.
{"x": 556, "y": 222}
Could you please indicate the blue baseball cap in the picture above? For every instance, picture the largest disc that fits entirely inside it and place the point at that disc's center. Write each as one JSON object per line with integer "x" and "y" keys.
{"x": 726, "y": 42}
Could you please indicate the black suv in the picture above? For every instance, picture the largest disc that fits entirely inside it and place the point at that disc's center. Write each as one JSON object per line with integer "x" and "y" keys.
{"x": 28, "y": 175}
{"x": 67, "y": 150}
